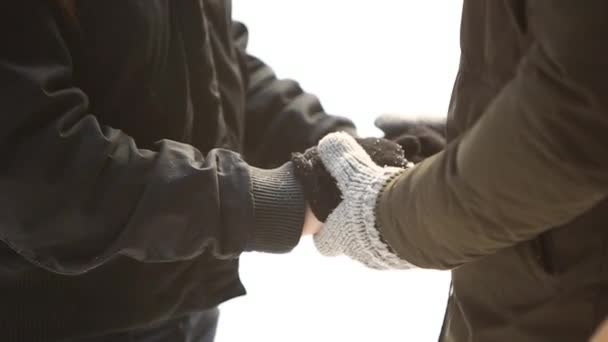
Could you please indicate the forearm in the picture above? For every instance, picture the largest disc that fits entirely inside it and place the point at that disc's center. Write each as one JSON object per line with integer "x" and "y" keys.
{"x": 533, "y": 161}
{"x": 160, "y": 206}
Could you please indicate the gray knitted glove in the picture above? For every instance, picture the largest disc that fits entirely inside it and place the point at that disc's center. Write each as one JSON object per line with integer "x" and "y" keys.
{"x": 351, "y": 228}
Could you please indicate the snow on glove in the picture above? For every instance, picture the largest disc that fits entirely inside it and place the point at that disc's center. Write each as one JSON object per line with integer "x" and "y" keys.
{"x": 319, "y": 186}
{"x": 351, "y": 228}
{"x": 419, "y": 138}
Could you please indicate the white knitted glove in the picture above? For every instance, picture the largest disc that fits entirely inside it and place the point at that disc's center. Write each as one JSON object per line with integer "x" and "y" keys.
{"x": 351, "y": 228}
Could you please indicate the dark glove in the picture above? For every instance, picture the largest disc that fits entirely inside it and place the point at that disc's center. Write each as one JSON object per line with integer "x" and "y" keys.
{"x": 320, "y": 189}
{"x": 420, "y": 139}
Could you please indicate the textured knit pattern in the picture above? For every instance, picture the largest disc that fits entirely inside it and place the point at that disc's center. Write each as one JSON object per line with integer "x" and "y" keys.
{"x": 279, "y": 209}
{"x": 351, "y": 228}
{"x": 320, "y": 188}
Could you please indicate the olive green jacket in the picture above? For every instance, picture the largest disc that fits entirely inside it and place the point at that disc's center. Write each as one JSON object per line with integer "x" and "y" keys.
{"x": 515, "y": 205}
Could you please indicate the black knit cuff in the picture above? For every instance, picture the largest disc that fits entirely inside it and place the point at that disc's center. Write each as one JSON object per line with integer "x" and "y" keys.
{"x": 279, "y": 207}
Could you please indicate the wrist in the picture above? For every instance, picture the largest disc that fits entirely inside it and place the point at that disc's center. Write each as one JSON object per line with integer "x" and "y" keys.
{"x": 311, "y": 224}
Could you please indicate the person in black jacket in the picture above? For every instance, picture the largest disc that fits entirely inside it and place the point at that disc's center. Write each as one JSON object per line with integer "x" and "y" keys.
{"x": 143, "y": 150}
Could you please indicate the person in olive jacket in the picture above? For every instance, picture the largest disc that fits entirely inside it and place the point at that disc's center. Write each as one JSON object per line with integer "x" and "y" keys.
{"x": 143, "y": 150}
{"x": 515, "y": 205}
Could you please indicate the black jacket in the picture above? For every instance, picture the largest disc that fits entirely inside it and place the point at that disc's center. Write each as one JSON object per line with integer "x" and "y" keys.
{"x": 123, "y": 197}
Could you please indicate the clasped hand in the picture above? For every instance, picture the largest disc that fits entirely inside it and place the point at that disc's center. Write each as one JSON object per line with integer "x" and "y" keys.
{"x": 342, "y": 178}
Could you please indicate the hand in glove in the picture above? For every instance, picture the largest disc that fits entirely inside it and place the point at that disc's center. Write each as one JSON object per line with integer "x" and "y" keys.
{"x": 419, "y": 138}
{"x": 351, "y": 228}
{"x": 319, "y": 186}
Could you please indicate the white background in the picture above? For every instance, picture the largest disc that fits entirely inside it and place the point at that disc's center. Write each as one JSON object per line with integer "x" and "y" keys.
{"x": 362, "y": 58}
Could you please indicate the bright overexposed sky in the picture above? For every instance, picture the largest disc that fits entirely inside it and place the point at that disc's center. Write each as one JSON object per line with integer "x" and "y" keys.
{"x": 362, "y": 58}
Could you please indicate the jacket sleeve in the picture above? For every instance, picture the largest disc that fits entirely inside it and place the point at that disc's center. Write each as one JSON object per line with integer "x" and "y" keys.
{"x": 75, "y": 193}
{"x": 281, "y": 117}
{"x": 535, "y": 160}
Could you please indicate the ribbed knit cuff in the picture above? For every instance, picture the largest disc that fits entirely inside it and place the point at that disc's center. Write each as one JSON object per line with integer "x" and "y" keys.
{"x": 279, "y": 207}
